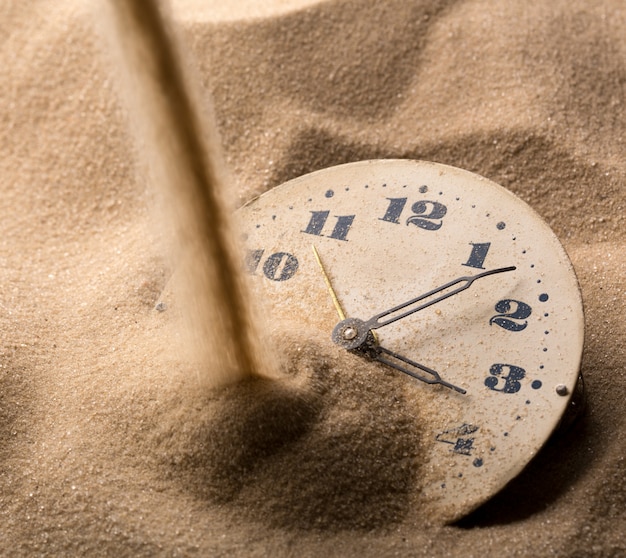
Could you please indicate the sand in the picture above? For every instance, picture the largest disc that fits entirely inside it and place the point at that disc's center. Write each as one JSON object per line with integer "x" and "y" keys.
{"x": 109, "y": 445}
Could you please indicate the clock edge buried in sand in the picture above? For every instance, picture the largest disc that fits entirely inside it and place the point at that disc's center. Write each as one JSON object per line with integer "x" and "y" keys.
{"x": 452, "y": 280}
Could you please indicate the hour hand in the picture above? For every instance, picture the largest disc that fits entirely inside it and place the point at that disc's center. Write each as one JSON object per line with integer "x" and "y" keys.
{"x": 412, "y": 368}
{"x": 351, "y": 334}
{"x": 370, "y": 348}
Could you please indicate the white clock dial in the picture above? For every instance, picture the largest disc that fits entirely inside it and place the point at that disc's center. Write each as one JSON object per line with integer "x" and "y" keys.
{"x": 390, "y": 231}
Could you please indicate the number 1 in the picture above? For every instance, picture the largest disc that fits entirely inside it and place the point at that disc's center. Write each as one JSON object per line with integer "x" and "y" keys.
{"x": 478, "y": 255}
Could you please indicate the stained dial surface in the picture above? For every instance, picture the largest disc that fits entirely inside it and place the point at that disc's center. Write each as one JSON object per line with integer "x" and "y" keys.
{"x": 390, "y": 230}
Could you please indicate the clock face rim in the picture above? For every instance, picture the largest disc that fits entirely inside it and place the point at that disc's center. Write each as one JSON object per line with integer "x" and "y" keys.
{"x": 387, "y": 167}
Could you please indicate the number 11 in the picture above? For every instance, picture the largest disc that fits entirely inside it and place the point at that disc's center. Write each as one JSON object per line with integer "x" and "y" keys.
{"x": 318, "y": 221}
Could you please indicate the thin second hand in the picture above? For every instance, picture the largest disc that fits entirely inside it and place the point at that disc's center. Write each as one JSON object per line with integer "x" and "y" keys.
{"x": 333, "y": 295}
{"x": 331, "y": 290}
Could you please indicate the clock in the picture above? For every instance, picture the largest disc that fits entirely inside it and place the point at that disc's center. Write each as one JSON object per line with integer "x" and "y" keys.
{"x": 444, "y": 278}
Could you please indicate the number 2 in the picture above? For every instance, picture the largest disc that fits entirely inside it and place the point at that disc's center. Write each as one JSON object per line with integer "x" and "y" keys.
{"x": 511, "y": 319}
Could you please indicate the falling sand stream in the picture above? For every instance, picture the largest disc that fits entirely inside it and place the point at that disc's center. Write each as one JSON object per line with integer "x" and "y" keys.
{"x": 181, "y": 150}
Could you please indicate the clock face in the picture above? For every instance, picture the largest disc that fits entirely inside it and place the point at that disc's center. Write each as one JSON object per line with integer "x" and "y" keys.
{"x": 390, "y": 231}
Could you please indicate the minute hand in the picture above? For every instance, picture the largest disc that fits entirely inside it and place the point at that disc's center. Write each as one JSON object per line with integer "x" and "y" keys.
{"x": 389, "y": 316}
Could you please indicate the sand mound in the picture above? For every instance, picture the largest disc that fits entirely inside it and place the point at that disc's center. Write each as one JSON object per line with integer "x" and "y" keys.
{"x": 318, "y": 448}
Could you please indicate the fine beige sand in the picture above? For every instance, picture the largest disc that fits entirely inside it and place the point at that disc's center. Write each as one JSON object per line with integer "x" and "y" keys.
{"x": 110, "y": 442}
